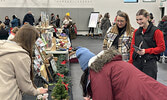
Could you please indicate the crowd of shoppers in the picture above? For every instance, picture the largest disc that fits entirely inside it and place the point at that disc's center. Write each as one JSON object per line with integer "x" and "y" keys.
{"x": 129, "y": 57}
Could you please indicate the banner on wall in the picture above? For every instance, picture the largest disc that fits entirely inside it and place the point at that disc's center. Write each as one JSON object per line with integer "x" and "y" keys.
{"x": 93, "y": 19}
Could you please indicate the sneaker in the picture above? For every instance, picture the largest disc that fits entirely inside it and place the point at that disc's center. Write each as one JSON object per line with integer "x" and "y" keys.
{"x": 160, "y": 60}
{"x": 165, "y": 60}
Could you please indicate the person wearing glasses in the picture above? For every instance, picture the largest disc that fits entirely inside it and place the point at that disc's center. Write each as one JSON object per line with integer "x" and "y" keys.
{"x": 120, "y": 35}
{"x": 151, "y": 42}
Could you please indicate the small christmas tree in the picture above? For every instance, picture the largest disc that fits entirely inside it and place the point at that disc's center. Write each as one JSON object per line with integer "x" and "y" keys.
{"x": 59, "y": 92}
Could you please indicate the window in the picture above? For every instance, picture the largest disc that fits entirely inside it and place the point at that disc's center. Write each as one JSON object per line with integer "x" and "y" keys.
{"x": 130, "y": 1}
{"x": 163, "y": 0}
{"x": 149, "y": 0}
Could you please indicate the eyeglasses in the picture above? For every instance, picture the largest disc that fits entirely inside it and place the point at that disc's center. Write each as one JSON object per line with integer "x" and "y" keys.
{"x": 121, "y": 21}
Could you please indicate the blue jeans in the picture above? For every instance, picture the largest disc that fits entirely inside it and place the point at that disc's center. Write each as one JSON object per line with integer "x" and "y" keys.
{"x": 165, "y": 52}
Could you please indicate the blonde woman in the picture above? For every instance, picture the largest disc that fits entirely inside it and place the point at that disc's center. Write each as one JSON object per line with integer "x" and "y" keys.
{"x": 150, "y": 40}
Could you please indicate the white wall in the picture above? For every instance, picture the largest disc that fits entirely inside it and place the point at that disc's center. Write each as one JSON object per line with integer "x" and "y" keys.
{"x": 112, "y": 6}
{"x": 47, "y": 3}
{"x": 102, "y": 6}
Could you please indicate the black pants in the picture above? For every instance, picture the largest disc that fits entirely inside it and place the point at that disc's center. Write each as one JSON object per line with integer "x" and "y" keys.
{"x": 91, "y": 29}
{"x": 149, "y": 67}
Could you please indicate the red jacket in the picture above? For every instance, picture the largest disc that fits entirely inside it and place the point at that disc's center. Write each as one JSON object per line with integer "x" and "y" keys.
{"x": 119, "y": 80}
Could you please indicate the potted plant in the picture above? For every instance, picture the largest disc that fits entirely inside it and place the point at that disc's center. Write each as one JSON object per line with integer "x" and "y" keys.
{"x": 59, "y": 92}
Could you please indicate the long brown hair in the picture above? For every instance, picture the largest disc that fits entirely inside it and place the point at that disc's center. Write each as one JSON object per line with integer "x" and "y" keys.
{"x": 128, "y": 25}
{"x": 164, "y": 18}
{"x": 26, "y": 37}
{"x": 83, "y": 81}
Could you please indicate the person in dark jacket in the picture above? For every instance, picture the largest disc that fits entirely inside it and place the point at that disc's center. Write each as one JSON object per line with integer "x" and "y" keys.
{"x": 7, "y": 22}
{"x": 163, "y": 27}
{"x": 29, "y": 18}
{"x": 57, "y": 21}
{"x": 3, "y": 33}
{"x": 53, "y": 20}
{"x": 14, "y": 22}
{"x": 105, "y": 23}
{"x": 107, "y": 77}
{"x": 150, "y": 40}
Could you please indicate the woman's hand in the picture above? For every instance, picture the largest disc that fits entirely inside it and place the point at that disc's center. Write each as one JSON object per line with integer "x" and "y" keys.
{"x": 141, "y": 52}
{"x": 87, "y": 98}
{"x": 42, "y": 90}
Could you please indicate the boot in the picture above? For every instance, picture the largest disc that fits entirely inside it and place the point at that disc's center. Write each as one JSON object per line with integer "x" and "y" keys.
{"x": 87, "y": 34}
{"x": 160, "y": 60}
{"x": 92, "y": 35}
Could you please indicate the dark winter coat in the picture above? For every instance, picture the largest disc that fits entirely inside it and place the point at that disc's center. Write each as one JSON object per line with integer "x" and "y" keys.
{"x": 14, "y": 22}
{"x": 29, "y": 18}
{"x": 7, "y": 22}
{"x": 113, "y": 79}
{"x": 105, "y": 24}
{"x": 3, "y": 34}
{"x": 163, "y": 27}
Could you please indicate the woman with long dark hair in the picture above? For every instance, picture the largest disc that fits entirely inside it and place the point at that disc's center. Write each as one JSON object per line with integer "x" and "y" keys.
{"x": 16, "y": 70}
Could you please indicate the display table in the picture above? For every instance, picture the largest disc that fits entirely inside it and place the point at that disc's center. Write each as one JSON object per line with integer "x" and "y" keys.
{"x": 57, "y": 52}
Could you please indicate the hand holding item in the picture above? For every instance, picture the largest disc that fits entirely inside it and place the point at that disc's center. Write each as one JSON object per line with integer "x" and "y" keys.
{"x": 141, "y": 52}
{"x": 42, "y": 90}
{"x": 86, "y": 98}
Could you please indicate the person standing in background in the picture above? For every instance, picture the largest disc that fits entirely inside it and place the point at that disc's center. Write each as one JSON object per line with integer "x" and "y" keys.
{"x": 116, "y": 17}
{"x": 57, "y": 21}
{"x": 99, "y": 31}
{"x": 17, "y": 75}
{"x": 120, "y": 35}
{"x": 66, "y": 23}
{"x": 152, "y": 18}
{"x": 150, "y": 41}
{"x": 105, "y": 24}
{"x": 29, "y": 18}
{"x": 19, "y": 23}
{"x": 14, "y": 22}
{"x": 3, "y": 33}
{"x": 7, "y": 23}
{"x": 52, "y": 20}
{"x": 163, "y": 27}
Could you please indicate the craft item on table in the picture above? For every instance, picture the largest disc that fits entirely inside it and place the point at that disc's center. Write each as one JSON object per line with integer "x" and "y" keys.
{"x": 63, "y": 34}
{"x": 64, "y": 62}
{"x": 43, "y": 96}
{"x": 44, "y": 72}
{"x": 53, "y": 64}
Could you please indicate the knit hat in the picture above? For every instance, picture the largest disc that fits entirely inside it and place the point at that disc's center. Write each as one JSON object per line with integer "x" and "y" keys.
{"x": 67, "y": 14}
{"x": 84, "y": 55}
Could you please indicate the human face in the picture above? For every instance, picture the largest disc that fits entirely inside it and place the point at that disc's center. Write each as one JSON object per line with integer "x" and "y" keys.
{"x": 121, "y": 22}
{"x": 142, "y": 21}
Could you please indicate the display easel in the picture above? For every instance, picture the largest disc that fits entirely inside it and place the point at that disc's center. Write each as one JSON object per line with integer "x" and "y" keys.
{"x": 45, "y": 61}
